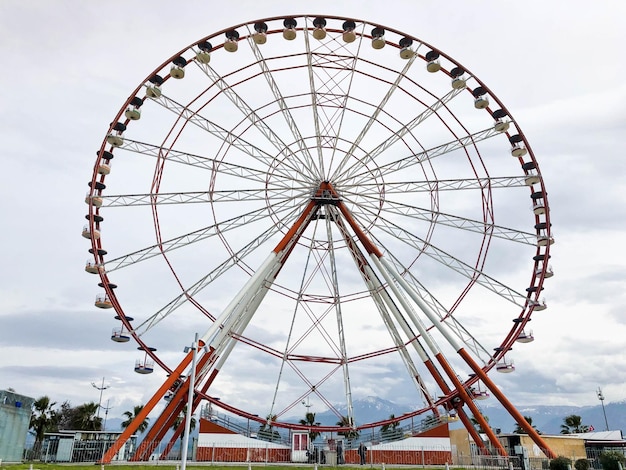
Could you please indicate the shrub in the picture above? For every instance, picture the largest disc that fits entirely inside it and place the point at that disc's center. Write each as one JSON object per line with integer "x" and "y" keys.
{"x": 610, "y": 459}
{"x": 560, "y": 463}
{"x": 581, "y": 464}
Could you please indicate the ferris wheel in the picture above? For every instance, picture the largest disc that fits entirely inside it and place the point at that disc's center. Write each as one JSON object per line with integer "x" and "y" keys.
{"x": 340, "y": 209}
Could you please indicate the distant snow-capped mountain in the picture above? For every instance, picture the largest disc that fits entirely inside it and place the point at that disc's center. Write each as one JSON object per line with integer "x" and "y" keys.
{"x": 547, "y": 419}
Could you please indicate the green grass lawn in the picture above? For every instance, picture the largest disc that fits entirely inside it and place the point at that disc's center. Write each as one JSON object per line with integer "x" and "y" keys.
{"x": 170, "y": 466}
{"x": 159, "y": 466}
{"x": 164, "y": 466}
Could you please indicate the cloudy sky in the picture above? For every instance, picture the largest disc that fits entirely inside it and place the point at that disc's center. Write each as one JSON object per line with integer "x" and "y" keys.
{"x": 70, "y": 66}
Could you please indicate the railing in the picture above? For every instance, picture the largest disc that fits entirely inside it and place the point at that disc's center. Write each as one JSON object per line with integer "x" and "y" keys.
{"x": 266, "y": 452}
{"x": 251, "y": 429}
{"x": 259, "y": 451}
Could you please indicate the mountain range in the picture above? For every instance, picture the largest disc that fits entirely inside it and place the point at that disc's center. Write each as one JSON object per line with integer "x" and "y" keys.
{"x": 547, "y": 419}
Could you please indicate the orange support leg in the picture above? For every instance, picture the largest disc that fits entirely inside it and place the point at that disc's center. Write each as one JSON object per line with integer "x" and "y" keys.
{"x": 145, "y": 411}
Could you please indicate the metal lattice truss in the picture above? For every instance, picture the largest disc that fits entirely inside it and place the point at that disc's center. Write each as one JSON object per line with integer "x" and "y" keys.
{"x": 330, "y": 215}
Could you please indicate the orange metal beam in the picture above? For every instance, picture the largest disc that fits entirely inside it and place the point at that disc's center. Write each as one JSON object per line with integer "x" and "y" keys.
{"x": 295, "y": 227}
{"x": 168, "y": 416}
{"x": 196, "y": 401}
{"x": 480, "y": 419}
{"x": 145, "y": 411}
{"x": 434, "y": 372}
{"x": 515, "y": 414}
{"x": 373, "y": 249}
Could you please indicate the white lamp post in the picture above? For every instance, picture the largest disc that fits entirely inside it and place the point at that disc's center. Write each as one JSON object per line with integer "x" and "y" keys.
{"x": 101, "y": 388}
{"x": 192, "y": 384}
{"x": 601, "y": 398}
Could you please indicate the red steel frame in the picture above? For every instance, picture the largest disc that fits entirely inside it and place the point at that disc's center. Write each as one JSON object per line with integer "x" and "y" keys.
{"x": 455, "y": 398}
{"x": 459, "y": 391}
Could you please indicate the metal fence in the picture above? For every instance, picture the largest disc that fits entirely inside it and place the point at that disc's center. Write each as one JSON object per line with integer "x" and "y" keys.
{"x": 263, "y": 452}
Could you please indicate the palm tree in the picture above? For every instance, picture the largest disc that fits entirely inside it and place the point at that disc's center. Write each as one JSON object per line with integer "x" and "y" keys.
{"x": 85, "y": 418}
{"x": 42, "y": 418}
{"x": 573, "y": 424}
{"x": 130, "y": 417}
{"x": 477, "y": 424}
{"x": 347, "y": 422}
{"x": 267, "y": 431}
{"x": 180, "y": 420}
{"x": 309, "y": 420}
{"x": 390, "y": 430}
{"x": 520, "y": 430}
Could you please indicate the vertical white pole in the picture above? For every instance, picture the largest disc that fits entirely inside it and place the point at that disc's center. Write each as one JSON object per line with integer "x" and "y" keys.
{"x": 192, "y": 379}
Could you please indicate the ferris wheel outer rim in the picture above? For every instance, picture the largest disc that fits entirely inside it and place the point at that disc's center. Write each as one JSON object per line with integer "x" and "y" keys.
{"x": 96, "y": 243}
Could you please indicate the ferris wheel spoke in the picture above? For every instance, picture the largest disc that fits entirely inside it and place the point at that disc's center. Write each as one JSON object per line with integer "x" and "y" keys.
{"x": 387, "y": 308}
{"x": 374, "y": 117}
{"x": 206, "y": 280}
{"x": 435, "y": 305}
{"x": 154, "y": 199}
{"x": 258, "y": 122}
{"x": 207, "y": 163}
{"x": 192, "y": 237}
{"x": 339, "y": 317}
{"x": 228, "y": 138}
{"x": 314, "y": 102}
{"x": 331, "y": 73}
{"x": 427, "y": 186}
{"x": 290, "y": 344}
{"x": 355, "y": 178}
{"x": 309, "y": 164}
{"x": 396, "y": 136}
{"x": 313, "y": 266}
{"x": 470, "y": 272}
{"x": 440, "y": 218}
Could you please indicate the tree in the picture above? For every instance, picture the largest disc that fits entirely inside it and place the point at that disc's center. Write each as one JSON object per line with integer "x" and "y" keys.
{"x": 520, "y": 430}
{"x": 477, "y": 425}
{"x": 346, "y": 422}
{"x": 64, "y": 416}
{"x": 560, "y": 463}
{"x": 390, "y": 430}
{"x": 582, "y": 464}
{"x": 267, "y": 431}
{"x": 612, "y": 460}
{"x": 573, "y": 424}
{"x": 309, "y": 420}
{"x": 130, "y": 417}
{"x": 84, "y": 418}
{"x": 43, "y": 418}
{"x": 180, "y": 420}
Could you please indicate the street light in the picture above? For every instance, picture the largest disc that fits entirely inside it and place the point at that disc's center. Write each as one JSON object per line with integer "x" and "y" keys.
{"x": 192, "y": 384}
{"x": 106, "y": 414}
{"x": 601, "y": 398}
{"x": 101, "y": 388}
